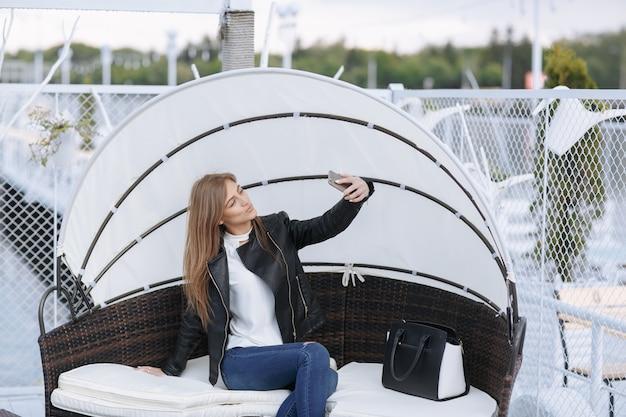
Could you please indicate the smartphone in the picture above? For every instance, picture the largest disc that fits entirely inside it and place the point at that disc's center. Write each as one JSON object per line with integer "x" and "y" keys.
{"x": 332, "y": 176}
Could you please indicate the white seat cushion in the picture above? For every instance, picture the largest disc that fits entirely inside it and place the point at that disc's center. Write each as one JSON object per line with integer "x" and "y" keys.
{"x": 112, "y": 389}
{"x": 360, "y": 393}
{"x": 96, "y": 407}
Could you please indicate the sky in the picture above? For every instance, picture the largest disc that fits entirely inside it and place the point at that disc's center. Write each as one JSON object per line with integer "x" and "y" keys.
{"x": 401, "y": 25}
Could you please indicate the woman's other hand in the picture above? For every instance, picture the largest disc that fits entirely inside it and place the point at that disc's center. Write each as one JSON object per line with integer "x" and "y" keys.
{"x": 358, "y": 189}
{"x": 151, "y": 370}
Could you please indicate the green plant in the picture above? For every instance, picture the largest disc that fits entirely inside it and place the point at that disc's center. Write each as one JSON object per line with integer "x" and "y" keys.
{"x": 574, "y": 190}
{"x": 51, "y": 129}
{"x": 86, "y": 124}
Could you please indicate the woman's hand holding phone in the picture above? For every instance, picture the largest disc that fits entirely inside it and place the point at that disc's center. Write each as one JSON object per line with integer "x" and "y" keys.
{"x": 355, "y": 188}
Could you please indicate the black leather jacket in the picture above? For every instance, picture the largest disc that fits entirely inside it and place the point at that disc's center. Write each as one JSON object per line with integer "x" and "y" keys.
{"x": 297, "y": 311}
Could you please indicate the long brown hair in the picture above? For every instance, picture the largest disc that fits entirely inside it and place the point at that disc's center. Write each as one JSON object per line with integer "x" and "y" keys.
{"x": 206, "y": 207}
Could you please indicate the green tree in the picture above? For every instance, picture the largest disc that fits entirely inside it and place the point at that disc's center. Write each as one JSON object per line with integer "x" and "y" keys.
{"x": 574, "y": 190}
{"x": 522, "y": 53}
{"x": 605, "y": 54}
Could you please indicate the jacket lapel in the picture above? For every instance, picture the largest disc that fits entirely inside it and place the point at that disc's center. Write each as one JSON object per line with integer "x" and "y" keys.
{"x": 218, "y": 267}
{"x": 261, "y": 263}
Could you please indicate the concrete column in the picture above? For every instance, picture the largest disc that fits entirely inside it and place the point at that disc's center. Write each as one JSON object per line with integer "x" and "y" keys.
{"x": 237, "y": 36}
{"x": 38, "y": 67}
{"x": 66, "y": 67}
{"x": 372, "y": 72}
{"x": 172, "y": 54}
{"x": 106, "y": 57}
{"x": 507, "y": 59}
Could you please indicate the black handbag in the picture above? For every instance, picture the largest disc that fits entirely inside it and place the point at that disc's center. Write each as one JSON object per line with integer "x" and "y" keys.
{"x": 425, "y": 360}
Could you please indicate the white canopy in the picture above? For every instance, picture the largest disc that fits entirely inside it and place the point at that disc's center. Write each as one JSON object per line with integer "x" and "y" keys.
{"x": 280, "y": 131}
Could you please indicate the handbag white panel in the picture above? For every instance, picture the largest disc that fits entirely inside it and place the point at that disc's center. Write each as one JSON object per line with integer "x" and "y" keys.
{"x": 451, "y": 374}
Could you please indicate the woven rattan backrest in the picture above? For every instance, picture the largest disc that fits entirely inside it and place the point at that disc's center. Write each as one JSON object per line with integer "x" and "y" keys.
{"x": 358, "y": 319}
{"x": 138, "y": 331}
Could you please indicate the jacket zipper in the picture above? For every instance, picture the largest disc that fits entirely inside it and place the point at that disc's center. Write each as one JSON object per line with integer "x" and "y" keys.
{"x": 219, "y": 369}
{"x": 306, "y": 309}
{"x": 293, "y": 321}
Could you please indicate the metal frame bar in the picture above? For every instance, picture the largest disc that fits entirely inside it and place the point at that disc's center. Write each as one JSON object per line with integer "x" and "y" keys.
{"x": 42, "y": 303}
{"x": 598, "y": 323}
{"x": 608, "y": 94}
{"x": 416, "y": 273}
{"x": 601, "y": 94}
{"x": 334, "y": 264}
{"x": 578, "y": 312}
{"x": 86, "y": 88}
{"x": 541, "y": 362}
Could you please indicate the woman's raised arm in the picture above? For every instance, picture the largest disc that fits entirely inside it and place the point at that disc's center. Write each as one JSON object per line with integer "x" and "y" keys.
{"x": 335, "y": 220}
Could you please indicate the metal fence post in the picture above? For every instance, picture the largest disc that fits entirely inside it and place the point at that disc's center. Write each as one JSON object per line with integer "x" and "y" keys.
{"x": 172, "y": 54}
{"x": 597, "y": 363}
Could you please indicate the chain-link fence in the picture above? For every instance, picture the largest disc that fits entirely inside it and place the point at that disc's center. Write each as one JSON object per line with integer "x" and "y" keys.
{"x": 551, "y": 164}
{"x": 32, "y": 201}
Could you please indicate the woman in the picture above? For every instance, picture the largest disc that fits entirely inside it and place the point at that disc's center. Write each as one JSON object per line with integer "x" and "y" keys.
{"x": 259, "y": 302}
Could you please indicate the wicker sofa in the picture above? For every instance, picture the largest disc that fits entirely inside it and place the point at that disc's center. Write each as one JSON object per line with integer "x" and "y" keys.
{"x": 142, "y": 331}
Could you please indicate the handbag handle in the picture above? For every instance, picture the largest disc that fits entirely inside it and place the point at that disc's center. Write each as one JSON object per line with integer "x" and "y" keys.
{"x": 420, "y": 349}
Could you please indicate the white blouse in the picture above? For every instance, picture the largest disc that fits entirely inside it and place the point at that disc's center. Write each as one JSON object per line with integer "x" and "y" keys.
{"x": 253, "y": 319}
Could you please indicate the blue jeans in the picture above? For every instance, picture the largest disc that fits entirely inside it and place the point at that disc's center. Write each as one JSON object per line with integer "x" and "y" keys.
{"x": 301, "y": 367}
